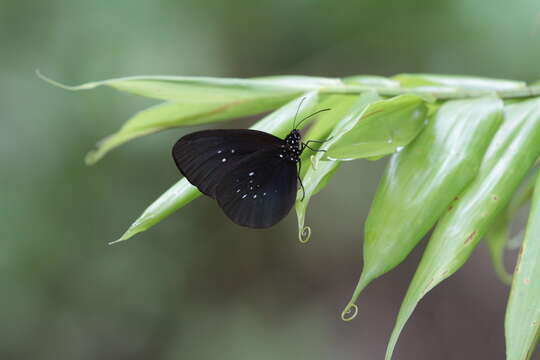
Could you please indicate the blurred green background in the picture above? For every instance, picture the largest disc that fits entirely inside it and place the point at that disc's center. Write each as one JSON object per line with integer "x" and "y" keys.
{"x": 196, "y": 286}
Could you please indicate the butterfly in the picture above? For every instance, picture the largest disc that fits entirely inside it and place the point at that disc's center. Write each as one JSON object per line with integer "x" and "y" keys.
{"x": 251, "y": 174}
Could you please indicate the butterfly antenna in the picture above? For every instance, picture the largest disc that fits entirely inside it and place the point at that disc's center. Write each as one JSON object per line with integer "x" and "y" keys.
{"x": 315, "y": 113}
{"x": 297, "y": 110}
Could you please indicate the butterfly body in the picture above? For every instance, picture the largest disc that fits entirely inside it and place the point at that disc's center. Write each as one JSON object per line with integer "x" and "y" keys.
{"x": 292, "y": 148}
{"x": 253, "y": 175}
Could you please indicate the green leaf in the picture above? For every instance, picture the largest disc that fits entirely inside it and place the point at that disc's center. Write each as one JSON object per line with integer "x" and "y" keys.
{"x": 497, "y": 239}
{"x": 345, "y": 114}
{"x": 388, "y": 126}
{"x": 300, "y": 81}
{"x": 197, "y": 100}
{"x": 172, "y": 114}
{"x": 196, "y": 89}
{"x": 522, "y": 320}
{"x": 370, "y": 80}
{"x": 414, "y": 80}
{"x": 509, "y": 157}
{"x": 462, "y": 82}
{"x": 279, "y": 123}
{"x": 322, "y": 126}
{"x": 177, "y": 196}
{"x": 421, "y": 182}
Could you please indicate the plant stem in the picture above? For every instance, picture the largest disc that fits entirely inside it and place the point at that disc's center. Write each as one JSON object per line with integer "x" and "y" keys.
{"x": 435, "y": 92}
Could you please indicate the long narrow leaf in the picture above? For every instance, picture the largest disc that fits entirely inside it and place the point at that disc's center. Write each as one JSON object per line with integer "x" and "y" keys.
{"x": 522, "y": 322}
{"x": 462, "y": 82}
{"x": 421, "y": 181}
{"x": 196, "y": 89}
{"x": 171, "y": 114}
{"x": 322, "y": 127}
{"x": 390, "y": 125}
{"x": 498, "y": 237}
{"x": 371, "y": 80}
{"x": 496, "y": 240}
{"x": 278, "y": 123}
{"x": 509, "y": 157}
{"x": 197, "y": 100}
{"x": 345, "y": 114}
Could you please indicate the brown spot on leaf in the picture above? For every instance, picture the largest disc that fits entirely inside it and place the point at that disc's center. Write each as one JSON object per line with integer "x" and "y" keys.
{"x": 450, "y": 207}
{"x": 470, "y": 238}
{"x": 526, "y": 281}
{"x": 494, "y": 197}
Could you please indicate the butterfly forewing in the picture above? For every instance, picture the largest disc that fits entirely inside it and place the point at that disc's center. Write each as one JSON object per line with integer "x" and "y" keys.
{"x": 259, "y": 191}
{"x": 204, "y": 157}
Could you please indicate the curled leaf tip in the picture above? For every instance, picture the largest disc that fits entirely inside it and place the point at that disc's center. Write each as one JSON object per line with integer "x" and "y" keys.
{"x": 350, "y": 312}
{"x": 304, "y": 235}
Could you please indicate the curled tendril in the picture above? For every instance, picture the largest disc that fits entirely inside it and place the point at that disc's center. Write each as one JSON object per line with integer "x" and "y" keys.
{"x": 314, "y": 162}
{"x": 305, "y": 235}
{"x": 349, "y": 312}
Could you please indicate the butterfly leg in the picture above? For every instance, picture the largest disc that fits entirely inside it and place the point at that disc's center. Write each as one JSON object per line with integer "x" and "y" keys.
{"x": 305, "y": 145}
{"x": 299, "y": 179}
{"x": 319, "y": 141}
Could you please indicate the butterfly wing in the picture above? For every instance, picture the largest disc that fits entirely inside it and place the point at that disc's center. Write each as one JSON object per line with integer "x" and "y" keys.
{"x": 259, "y": 191}
{"x": 204, "y": 157}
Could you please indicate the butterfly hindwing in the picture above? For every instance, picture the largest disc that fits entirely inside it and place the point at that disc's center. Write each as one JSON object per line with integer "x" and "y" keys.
{"x": 259, "y": 191}
{"x": 204, "y": 157}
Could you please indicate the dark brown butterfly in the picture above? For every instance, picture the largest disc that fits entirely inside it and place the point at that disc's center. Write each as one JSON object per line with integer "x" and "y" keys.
{"x": 253, "y": 175}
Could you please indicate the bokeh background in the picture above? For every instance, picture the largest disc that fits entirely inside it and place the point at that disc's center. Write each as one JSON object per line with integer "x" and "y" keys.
{"x": 196, "y": 286}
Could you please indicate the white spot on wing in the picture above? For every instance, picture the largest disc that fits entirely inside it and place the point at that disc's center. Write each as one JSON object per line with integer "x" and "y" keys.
{"x": 224, "y": 159}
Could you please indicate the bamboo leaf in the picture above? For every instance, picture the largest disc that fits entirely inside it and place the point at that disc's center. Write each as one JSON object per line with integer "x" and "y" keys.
{"x": 345, "y": 114}
{"x": 278, "y": 123}
{"x": 421, "y": 182}
{"x": 389, "y": 126}
{"x": 197, "y": 89}
{"x": 462, "y": 82}
{"x": 299, "y": 81}
{"x": 509, "y": 157}
{"x": 522, "y": 320}
{"x": 172, "y": 114}
{"x": 498, "y": 238}
{"x": 322, "y": 127}
{"x": 197, "y": 100}
{"x": 371, "y": 80}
